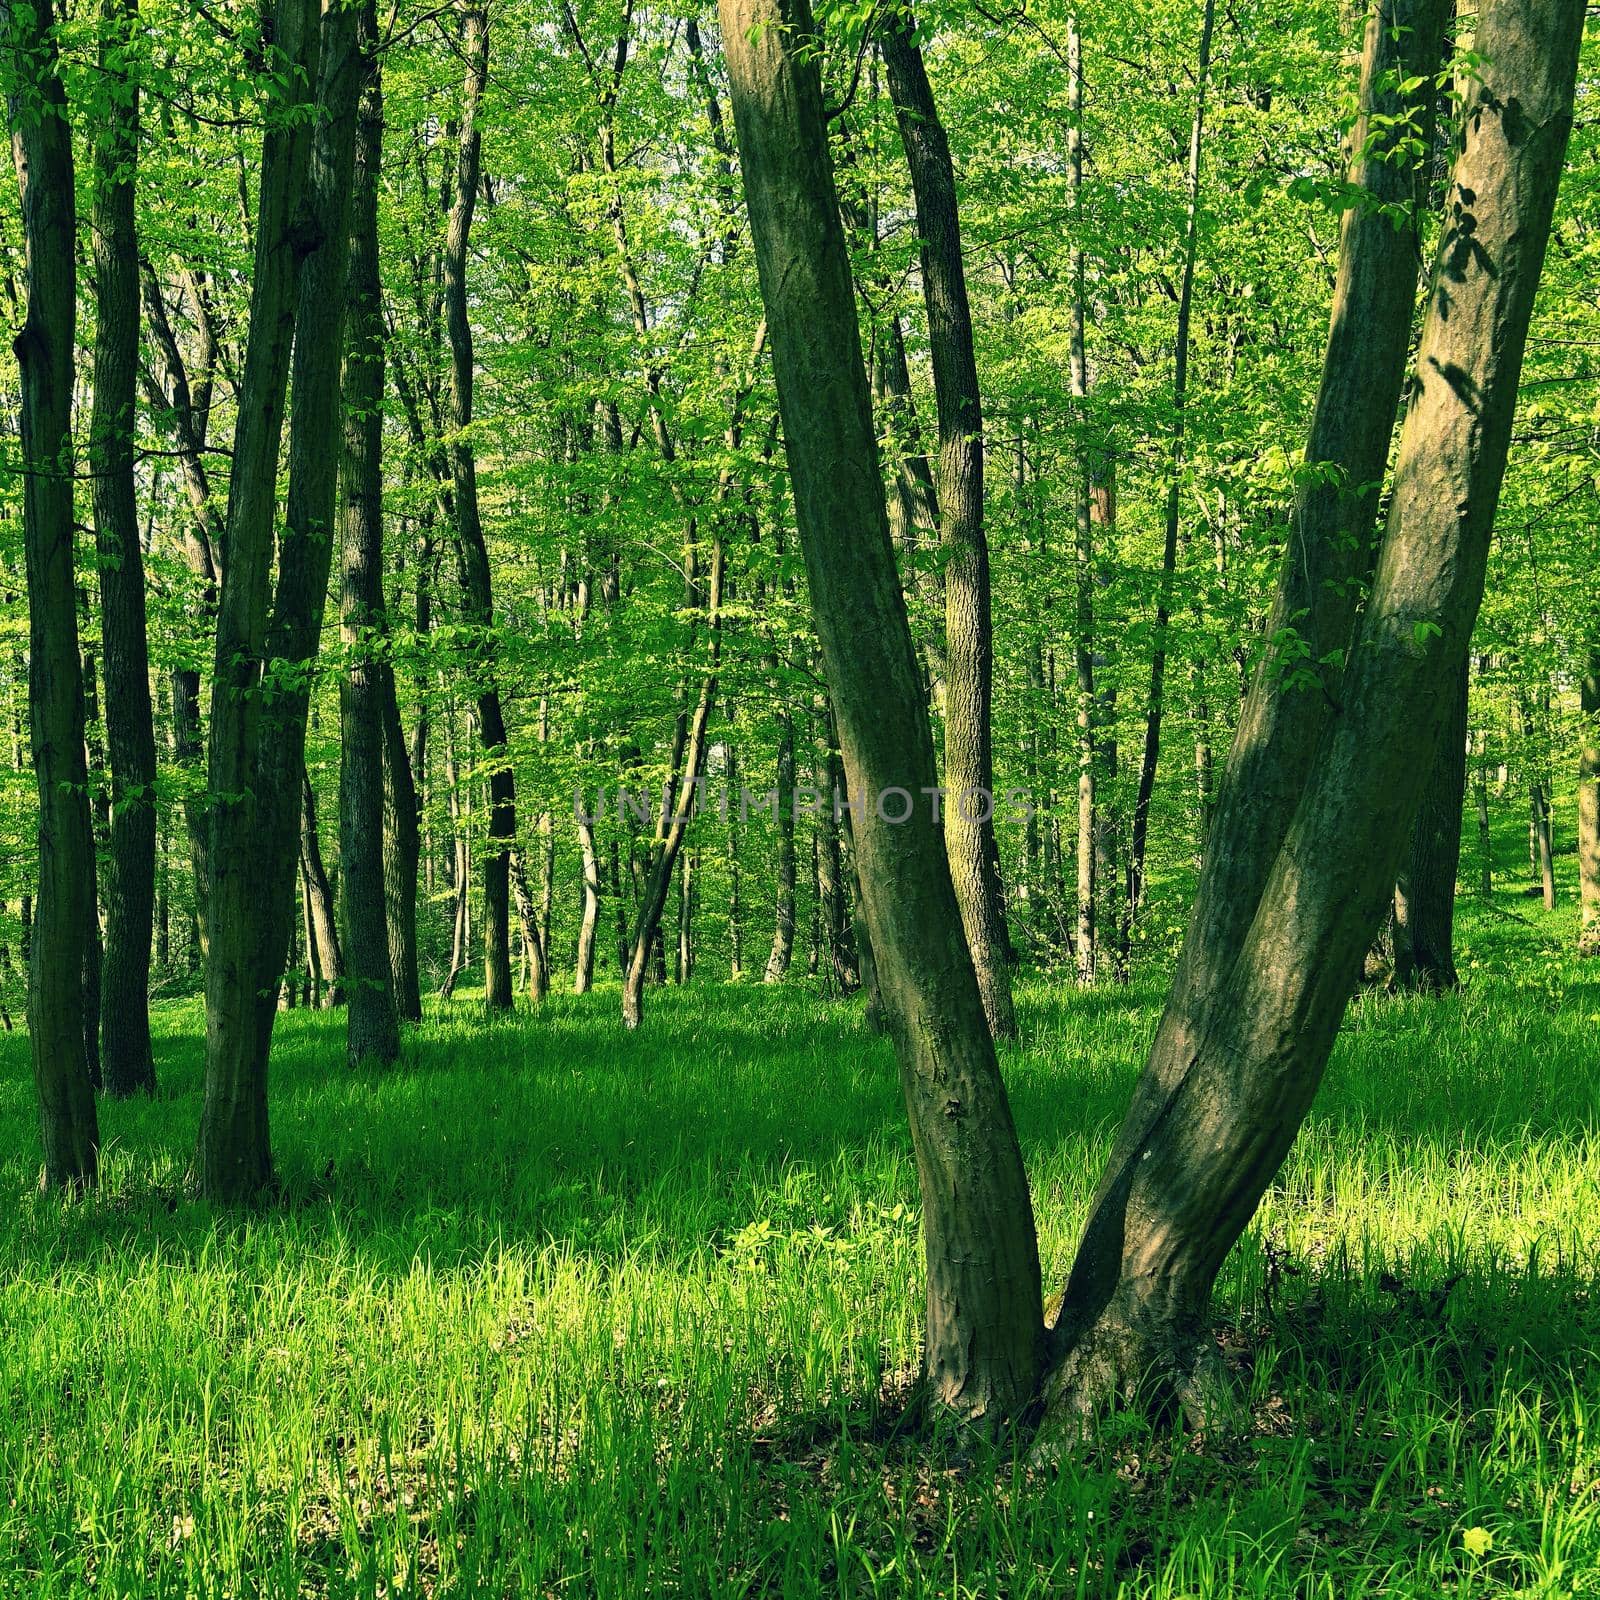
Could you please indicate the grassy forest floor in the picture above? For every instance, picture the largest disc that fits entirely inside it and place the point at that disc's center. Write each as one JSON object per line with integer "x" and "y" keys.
{"x": 552, "y": 1310}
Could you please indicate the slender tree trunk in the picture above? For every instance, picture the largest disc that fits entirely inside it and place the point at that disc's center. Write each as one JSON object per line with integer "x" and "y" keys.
{"x": 402, "y": 849}
{"x": 735, "y": 869}
{"x": 321, "y": 904}
{"x": 1588, "y": 808}
{"x": 41, "y": 146}
{"x": 126, "y": 1063}
{"x": 1155, "y": 703}
{"x": 1210, "y": 1126}
{"x": 983, "y": 1340}
{"x": 1425, "y": 892}
{"x": 471, "y": 551}
{"x": 94, "y": 761}
{"x": 1087, "y": 954}
{"x": 783, "y": 928}
{"x": 1541, "y": 844}
{"x": 372, "y": 1022}
{"x": 969, "y": 642}
{"x": 589, "y": 923}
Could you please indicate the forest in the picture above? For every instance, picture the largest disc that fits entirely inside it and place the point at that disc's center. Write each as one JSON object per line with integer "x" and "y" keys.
{"x": 803, "y": 798}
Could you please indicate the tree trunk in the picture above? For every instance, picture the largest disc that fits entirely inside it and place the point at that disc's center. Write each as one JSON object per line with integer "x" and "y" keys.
{"x": 1541, "y": 844}
{"x": 1155, "y": 704}
{"x": 126, "y": 1064}
{"x": 257, "y": 741}
{"x": 783, "y": 927}
{"x": 1425, "y": 892}
{"x": 1589, "y": 809}
{"x": 1212, "y": 1121}
{"x": 322, "y": 934}
{"x": 372, "y": 1022}
{"x": 983, "y": 1339}
{"x": 402, "y": 850}
{"x": 41, "y": 145}
{"x": 471, "y": 552}
{"x": 969, "y": 642}
{"x": 589, "y": 924}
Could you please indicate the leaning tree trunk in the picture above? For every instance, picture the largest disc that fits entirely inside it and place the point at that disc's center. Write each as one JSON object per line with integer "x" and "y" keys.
{"x": 372, "y": 1022}
{"x": 1328, "y": 554}
{"x": 41, "y": 145}
{"x": 983, "y": 1340}
{"x": 1256, "y": 1036}
{"x": 1425, "y": 892}
{"x": 471, "y": 552}
{"x": 257, "y": 740}
{"x": 969, "y": 640}
{"x": 126, "y": 1063}
{"x": 1589, "y": 809}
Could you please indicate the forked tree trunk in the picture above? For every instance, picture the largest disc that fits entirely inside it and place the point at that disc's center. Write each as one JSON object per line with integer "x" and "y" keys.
{"x": 1425, "y": 892}
{"x": 41, "y": 145}
{"x": 1213, "y": 1119}
{"x": 126, "y": 1064}
{"x": 1328, "y": 553}
{"x": 1589, "y": 808}
{"x": 471, "y": 552}
{"x": 969, "y": 640}
{"x": 372, "y": 1022}
{"x": 258, "y": 741}
{"x": 983, "y": 1329}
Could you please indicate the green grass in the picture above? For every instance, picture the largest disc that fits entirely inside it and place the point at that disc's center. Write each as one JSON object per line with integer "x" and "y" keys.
{"x": 552, "y": 1310}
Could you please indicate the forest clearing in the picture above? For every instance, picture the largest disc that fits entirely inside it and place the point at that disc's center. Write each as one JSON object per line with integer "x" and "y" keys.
{"x": 803, "y": 798}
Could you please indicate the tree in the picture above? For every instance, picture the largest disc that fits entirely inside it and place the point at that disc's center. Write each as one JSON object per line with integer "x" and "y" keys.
{"x": 1589, "y": 809}
{"x": 265, "y": 641}
{"x": 983, "y": 1332}
{"x": 41, "y": 146}
{"x": 366, "y": 695}
{"x": 1209, "y": 1126}
{"x": 128, "y": 884}
{"x": 969, "y": 641}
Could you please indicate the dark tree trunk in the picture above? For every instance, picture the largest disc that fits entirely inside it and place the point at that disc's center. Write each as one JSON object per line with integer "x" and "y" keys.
{"x": 41, "y": 145}
{"x": 471, "y": 552}
{"x": 257, "y": 742}
{"x": 969, "y": 642}
{"x": 1425, "y": 892}
{"x": 372, "y": 1022}
{"x": 983, "y": 1330}
{"x": 402, "y": 849}
{"x": 126, "y": 1063}
{"x": 1213, "y": 1118}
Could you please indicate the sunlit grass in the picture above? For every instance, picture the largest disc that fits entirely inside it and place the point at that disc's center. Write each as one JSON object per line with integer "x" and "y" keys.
{"x": 552, "y": 1309}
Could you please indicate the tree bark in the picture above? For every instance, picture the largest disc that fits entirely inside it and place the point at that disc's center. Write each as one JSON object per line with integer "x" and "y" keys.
{"x": 372, "y": 1022}
{"x": 1211, "y": 1122}
{"x": 983, "y": 1329}
{"x": 471, "y": 552}
{"x": 322, "y": 924}
{"x": 1425, "y": 892}
{"x": 783, "y": 924}
{"x": 41, "y": 146}
{"x": 969, "y": 641}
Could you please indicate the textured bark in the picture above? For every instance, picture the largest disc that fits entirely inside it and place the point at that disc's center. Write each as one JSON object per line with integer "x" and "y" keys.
{"x": 588, "y": 927}
{"x": 128, "y": 884}
{"x": 257, "y": 741}
{"x": 402, "y": 850}
{"x": 1589, "y": 809}
{"x": 983, "y": 1341}
{"x": 1211, "y": 1123}
{"x": 372, "y": 1022}
{"x": 471, "y": 552}
{"x": 1155, "y": 703}
{"x": 41, "y": 146}
{"x": 1425, "y": 892}
{"x": 969, "y": 641}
